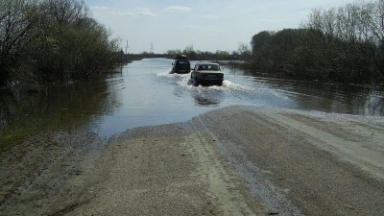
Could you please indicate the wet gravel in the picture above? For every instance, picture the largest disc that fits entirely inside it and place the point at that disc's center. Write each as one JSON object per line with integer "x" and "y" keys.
{"x": 238, "y": 160}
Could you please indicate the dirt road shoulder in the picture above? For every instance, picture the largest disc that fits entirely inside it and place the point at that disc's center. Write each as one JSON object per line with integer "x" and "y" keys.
{"x": 232, "y": 161}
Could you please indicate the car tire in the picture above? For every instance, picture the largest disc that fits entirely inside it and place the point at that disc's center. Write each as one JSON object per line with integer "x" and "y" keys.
{"x": 195, "y": 82}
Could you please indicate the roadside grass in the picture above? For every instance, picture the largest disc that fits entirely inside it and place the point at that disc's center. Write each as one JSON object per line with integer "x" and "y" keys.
{"x": 16, "y": 133}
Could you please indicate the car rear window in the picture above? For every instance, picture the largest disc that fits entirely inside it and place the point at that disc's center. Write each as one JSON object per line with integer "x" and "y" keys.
{"x": 182, "y": 64}
{"x": 209, "y": 67}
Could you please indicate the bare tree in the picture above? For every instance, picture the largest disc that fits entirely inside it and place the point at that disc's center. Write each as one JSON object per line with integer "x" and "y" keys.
{"x": 244, "y": 51}
{"x": 17, "y": 23}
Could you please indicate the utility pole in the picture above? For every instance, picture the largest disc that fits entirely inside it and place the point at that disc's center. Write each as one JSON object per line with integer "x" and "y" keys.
{"x": 152, "y": 48}
{"x": 126, "y": 48}
{"x": 121, "y": 61}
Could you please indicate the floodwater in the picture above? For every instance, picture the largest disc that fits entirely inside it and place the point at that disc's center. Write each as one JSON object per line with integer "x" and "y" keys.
{"x": 144, "y": 94}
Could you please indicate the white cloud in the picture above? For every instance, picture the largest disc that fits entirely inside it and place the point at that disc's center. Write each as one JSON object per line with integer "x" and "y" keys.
{"x": 139, "y": 11}
{"x": 275, "y": 20}
{"x": 178, "y": 9}
{"x": 144, "y": 11}
{"x": 304, "y": 12}
{"x": 202, "y": 29}
{"x": 123, "y": 13}
{"x": 210, "y": 17}
{"x": 99, "y": 8}
{"x": 230, "y": 21}
{"x": 192, "y": 27}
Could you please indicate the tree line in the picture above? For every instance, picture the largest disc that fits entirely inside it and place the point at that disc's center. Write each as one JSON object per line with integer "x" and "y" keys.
{"x": 205, "y": 55}
{"x": 344, "y": 44}
{"x": 52, "y": 41}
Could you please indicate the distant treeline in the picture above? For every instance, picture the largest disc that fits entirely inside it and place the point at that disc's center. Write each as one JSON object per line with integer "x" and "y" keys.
{"x": 52, "y": 41}
{"x": 191, "y": 54}
{"x": 344, "y": 44}
{"x": 204, "y": 55}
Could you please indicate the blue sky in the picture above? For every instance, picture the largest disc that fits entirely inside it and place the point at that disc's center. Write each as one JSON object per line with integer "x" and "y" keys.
{"x": 208, "y": 25}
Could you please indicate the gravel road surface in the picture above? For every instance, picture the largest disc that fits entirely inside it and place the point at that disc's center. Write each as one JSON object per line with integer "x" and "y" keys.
{"x": 232, "y": 161}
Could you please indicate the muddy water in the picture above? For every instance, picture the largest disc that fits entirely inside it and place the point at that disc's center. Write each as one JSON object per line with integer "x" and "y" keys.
{"x": 145, "y": 94}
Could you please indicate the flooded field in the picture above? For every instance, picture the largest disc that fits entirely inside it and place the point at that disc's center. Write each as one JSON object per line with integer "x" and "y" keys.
{"x": 146, "y": 142}
{"x": 145, "y": 94}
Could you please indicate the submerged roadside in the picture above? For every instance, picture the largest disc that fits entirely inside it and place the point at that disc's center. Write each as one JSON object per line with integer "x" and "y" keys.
{"x": 232, "y": 161}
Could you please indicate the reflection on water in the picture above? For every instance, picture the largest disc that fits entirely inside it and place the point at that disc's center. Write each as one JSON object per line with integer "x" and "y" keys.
{"x": 73, "y": 106}
{"x": 330, "y": 97}
{"x": 206, "y": 101}
{"x": 145, "y": 94}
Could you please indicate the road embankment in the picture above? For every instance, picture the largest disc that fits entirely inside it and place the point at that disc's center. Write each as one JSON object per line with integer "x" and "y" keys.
{"x": 232, "y": 161}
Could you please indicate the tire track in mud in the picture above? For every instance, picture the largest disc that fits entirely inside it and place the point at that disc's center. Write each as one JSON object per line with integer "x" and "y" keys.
{"x": 260, "y": 189}
{"x": 222, "y": 183}
{"x": 291, "y": 154}
{"x": 167, "y": 170}
{"x": 232, "y": 161}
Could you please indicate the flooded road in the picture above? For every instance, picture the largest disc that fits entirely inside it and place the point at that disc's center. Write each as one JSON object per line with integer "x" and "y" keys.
{"x": 148, "y": 95}
{"x": 160, "y": 146}
{"x": 145, "y": 94}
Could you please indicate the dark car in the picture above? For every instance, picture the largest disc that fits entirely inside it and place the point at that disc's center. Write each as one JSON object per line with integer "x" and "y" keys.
{"x": 181, "y": 65}
{"x": 207, "y": 73}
